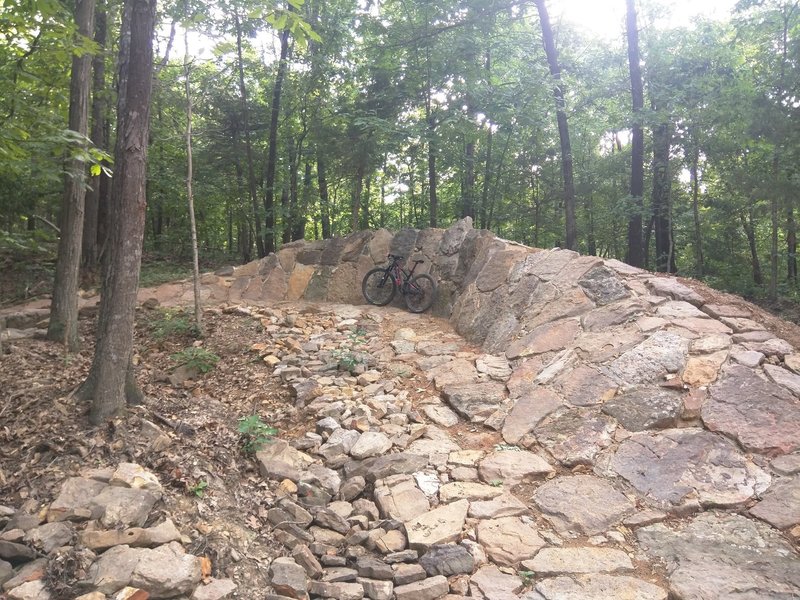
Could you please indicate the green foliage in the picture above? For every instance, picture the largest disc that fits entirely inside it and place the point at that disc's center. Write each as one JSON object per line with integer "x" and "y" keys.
{"x": 254, "y": 433}
{"x": 154, "y": 273}
{"x": 349, "y": 356}
{"x": 196, "y": 358}
{"x": 173, "y": 323}
{"x": 199, "y": 488}
{"x": 527, "y": 577}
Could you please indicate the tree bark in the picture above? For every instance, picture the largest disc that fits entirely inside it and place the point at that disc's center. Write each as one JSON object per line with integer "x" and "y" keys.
{"x": 698, "y": 231}
{"x": 96, "y": 184}
{"x": 324, "y": 200}
{"x": 299, "y": 226}
{"x": 248, "y": 146}
{"x": 635, "y": 252}
{"x": 468, "y": 192}
{"x": 63, "y": 325}
{"x": 791, "y": 245}
{"x": 487, "y": 176}
{"x": 110, "y": 381}
{"x": 198, "y": 310}
{"x": 748, "y": 224}
{"x": 563, "y": 127}
{"x": 665, "y": 257}
{"x": 272, "y": 153}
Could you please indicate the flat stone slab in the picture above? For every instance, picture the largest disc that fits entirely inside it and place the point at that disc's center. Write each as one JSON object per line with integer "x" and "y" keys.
{"x": 663, "y": 352}
{"x": 545, "y": 338}
{"x": 576, "y": 436}
{"x": 528, "y": 412}
{"x": 490, "y": 583}
{"x": 781, "y": 504}
{"x": 441, "y": 415}
{"x": 677, "y": 465}
{"x": 398, "y": 497}
{"x": 562, "y": 561}
{"x": 598, "y": 587}
{"x": 600, "y": 507}
{"x": 761, "y": 416}
{"x": 509, "y": 540}
{"x": 585, "y": 386}
{"x": 475, "y": 402}
{"x": 439, "y": 526}
{"x": 505, "y": 505}
{"x": 724, "y": 556}
{"x": 783, "y": 378}
{"x": 496, "y": 367}
{"x": 603, "y": 286}
{"x": 468, "y": 490}
{"x": 645, "y": 408}
{"x": 513, "y": 467}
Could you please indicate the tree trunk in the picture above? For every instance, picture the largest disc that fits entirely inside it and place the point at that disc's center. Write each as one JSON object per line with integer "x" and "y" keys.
{"x": 248, "y": 146}
{"x": 324, "y": 201}
{"x": 92, "y": 203}
{"x": 468, "y": 191}
{"x": 272, "y": 153}
{"x": 563, "y": 128}
{"x": 355, "y": 207}
{"x": 487, "y": 176}
{"x": 699, "y": 261}
{"x": 791, "y": 245}
{"x": 635, "y": 250}
{"x": 63, "y": 325}
{"x": 198, "y": 311}
{"x": 299, "y": 226}
{"x": 748, "y": 224}
{"x": 662, "y": 140}
{"x": 110, "y": 381}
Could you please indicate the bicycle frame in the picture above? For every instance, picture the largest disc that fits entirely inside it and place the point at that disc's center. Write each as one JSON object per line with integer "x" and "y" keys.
{"x": 398, "y": 273}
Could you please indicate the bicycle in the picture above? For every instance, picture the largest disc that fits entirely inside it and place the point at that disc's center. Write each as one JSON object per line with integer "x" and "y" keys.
{"x": 379, "y": 285}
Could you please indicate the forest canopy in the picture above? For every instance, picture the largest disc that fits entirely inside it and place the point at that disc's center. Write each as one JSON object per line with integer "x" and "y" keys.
{"x": 315, "y": 118}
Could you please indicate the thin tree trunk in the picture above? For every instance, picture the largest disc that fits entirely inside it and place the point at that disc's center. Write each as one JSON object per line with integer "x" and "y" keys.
{"x": 563, "y": 127}
{"x": 662, "y": 139}
{"x": 635, "y": 250}
{"x": 110, "y": 381}
{"x": 468, "y": 192}
{"x": 355, "y": 209}
{"x": 299, "y": 231}
{"x": 272, "y": 153}
{"x": 748, "y": 224}
{"x": 487, "y": 176}
{"x": 92, "y": 203}
{"x": 365, "y": 200}
{"x": 251, "y": 174}
{"x": 63, "y": 325}
{"x": 791, "y": 245}
{"x": 698, "y": 231}
{"x": 198, "y": 311}
{"x": 324, "y": 200}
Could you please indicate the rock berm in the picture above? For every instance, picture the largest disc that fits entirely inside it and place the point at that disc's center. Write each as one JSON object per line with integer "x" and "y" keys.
{"x": 591, "y": 431}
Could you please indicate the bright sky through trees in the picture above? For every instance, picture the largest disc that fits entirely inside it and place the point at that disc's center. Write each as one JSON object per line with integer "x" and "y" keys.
{"x": 605, "y": 18}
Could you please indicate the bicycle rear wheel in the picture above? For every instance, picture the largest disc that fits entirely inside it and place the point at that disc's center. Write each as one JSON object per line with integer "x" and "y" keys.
{"x": 421, "y": 293}
{"x": 378, "y": 287}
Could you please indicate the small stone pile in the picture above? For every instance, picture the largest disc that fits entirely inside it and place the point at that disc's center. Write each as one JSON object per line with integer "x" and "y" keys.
{"x": 91, "y": 543}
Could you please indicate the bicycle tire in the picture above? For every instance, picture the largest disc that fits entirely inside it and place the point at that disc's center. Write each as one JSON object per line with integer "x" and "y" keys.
{"x": 378, "y": 287}
{"x": 421, "y": 293}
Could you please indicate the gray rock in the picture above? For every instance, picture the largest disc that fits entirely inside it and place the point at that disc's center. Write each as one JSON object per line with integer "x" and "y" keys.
{"x": 377, "y": 589}
{"x": 509, "y": 540}
{"x": 645, "y": 408}
{"x": 575, "y": 437}
{"x": 288, "y": 578}
{"x": 440, "y": 414}
{"x": 6, "y": 571}
{"x": 601, "y": 505}
{"x": 475, "y": 402}
{"x": 760, "y": 415}
{"x": 339, "y": 575}
{"x": 15, "y": 553}
{"x": 383, "y": 466}
{"x": 724, "y": 556}
{"x": 504, "y": 505}
{"x": 598, "y": 587}
{"x": 27, "y": 572}
{"x": 374, "y": 568}
{"x": 328, "y": 519}
{"x": 528, "y": 413}
{"x": 585, "y": 386}
{"x": 398, "y": 497}
{"x": 545, "y": 338}
{"x": 341, "y": 441}
{"x": 661, "y": 353}
{"x": 562, "y": 561}
{"x": 603, "y": 286}
{"x": 352, "y": 488}
{"x": 679, "y": 465}
{"x": 49, "y": 536}
{"x": 303, "y": 556}
{"x": 447, "y": 560}
{"x": 114, "y": 569}
{"x": 496, "y": 367}
{"x": 338, "y": 591}
{"x": 439, "y": 526}
{"x": 427, "y": 589}
{"x": 489, "y": 583}
{"x": 217, "y": 589}
{"x": 781, "y": 504}
{"x": 788, "y": 464}
{"x": 30, "y": 590}
{"x": 166, "y": 571}
{"x": 670, "y": 287}
{"x": 513, "y": 467}
{"x": 783, "y": 378}
{"x": 75, "y": 494}
{"x": 408, "y": 573}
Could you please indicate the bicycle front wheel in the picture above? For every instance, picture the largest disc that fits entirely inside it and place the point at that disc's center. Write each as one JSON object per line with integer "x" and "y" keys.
{"x": 378, "y": 287}
{"x": 421, "y": 293}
